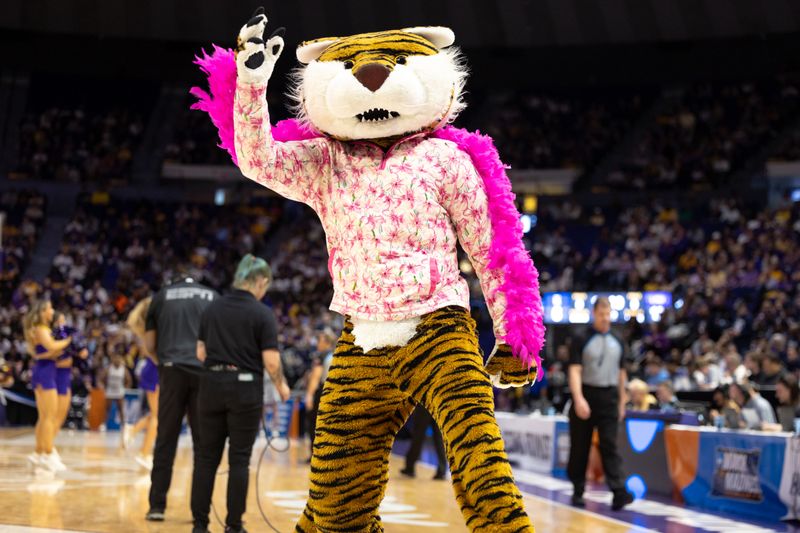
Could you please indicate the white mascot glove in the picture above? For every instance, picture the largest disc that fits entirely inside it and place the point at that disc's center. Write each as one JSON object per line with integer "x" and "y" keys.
{"x": 255, "y": 59}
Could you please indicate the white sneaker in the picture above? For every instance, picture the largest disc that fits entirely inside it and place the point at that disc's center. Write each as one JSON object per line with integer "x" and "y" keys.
{"x": 51, "y": 462}
{"x": 35, "y": 459}
{"x": 60, "y": 463}
{"x": 145, "y": 461}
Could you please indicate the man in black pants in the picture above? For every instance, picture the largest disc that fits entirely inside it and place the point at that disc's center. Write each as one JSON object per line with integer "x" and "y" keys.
{"x": 238, "y": 339}
{"x": 320, "y": 364}
{"x": 421, "y": 420}
{"x": 597, "y": 379}
{"x": 172, "y": 323}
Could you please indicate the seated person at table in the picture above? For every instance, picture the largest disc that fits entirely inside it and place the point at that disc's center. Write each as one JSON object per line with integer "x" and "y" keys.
{"x": 788, "y": 393}
{"x": 639, "y": 397}
{"x": 667, "y": 402}
{"x": 756, "y": 411}
{"x": 722, "y": 405}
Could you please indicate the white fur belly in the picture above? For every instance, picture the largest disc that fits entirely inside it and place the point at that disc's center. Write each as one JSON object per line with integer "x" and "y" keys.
{"x": 371, "y": 334}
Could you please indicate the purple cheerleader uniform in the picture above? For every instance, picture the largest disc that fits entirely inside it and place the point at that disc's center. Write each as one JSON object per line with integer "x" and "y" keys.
{"x": 44, "y": 371}
{"x": 64, "y": 375}
{"x": 63, "y": 380}
{"x": 148, "y": 380}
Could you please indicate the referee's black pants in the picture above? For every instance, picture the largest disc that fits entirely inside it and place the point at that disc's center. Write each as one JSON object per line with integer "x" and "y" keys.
{"x": 230, "y": 408}
{"x": 421, "y": 420}
{"x": 604, "y": 403}
{"x": 178, "y": 387}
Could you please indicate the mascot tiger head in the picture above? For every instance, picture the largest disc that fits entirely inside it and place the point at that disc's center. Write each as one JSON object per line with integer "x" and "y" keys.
{"x": 380, "y": 85}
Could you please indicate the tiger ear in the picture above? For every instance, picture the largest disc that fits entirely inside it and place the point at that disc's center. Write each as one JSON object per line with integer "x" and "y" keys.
{"x": 440, "y": 36}
{"x": 309, "y": 51}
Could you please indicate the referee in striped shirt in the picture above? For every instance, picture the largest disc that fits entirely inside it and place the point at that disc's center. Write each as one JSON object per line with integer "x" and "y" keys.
{"x": 597, "y": 380}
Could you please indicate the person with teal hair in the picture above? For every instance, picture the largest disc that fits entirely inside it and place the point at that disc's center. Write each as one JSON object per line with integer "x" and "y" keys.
{"x": 238, "y": 339}
{"x": 253, "y": 274}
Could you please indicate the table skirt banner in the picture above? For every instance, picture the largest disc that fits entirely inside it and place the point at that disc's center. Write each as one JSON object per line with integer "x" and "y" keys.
{"x": 790, "y": 479}
{"x": 536, "y": 443}
{"x": 735, "y": 472}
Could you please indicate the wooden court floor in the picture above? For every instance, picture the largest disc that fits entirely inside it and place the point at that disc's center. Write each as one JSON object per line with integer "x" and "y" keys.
{"x": 105, "y": 490}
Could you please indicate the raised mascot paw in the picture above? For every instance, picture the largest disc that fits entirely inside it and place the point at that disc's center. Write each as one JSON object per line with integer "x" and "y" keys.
{"x": 506, "y": 371}
{"x": 256, "y": 53}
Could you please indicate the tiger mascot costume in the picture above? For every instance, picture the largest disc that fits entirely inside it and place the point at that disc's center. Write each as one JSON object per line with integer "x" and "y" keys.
{"x": 396, "y": 189}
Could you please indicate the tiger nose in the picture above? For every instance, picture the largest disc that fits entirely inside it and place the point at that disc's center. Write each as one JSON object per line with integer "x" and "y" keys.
{"x": 372, "y": 75}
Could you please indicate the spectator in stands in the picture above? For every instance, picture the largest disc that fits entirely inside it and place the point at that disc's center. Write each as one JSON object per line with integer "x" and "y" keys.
{"x": 557, "y": 376}
{"x": 77, "y": 144}
{"x": 752, "y": 362}
{"x": 792, "y": 358}
{"x": 772, "y": 371}
{"x": 756, "y": 411}
{"x": 6, "y": 375}
{"x": 708, "y": 375}
{"x": 733, "y": 370}
{"x": 667, "y": 401}
{"x": 639, "y": 397}
{"x": 725, "y": 408}
{"x": 656, "y": 372}
{"x": 788, "y": 394}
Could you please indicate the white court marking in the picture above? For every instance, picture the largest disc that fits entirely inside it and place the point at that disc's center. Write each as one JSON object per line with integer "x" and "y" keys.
{"x": 392, "y": 510}
{"x": 26, "y": 529}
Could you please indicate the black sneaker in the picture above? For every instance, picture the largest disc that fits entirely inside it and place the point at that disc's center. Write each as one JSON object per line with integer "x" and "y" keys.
{"x": 621, "y": 499}
{"x": 440, "y": 475}
{"x": 578, "y": 501}
{"x": 154, "y": 515}
{"x": 408, "y": 472}
{"x": 229, "y": 529}
{"x": 200, "y": 529}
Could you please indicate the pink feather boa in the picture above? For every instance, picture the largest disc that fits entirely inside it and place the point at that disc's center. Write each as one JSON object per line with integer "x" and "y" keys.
{"x": 220, "y": 69}
{"x": 523, "y": 314}
{"x": 524, "y": 317}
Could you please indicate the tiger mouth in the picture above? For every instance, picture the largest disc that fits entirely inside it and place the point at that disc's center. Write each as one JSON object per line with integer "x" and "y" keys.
{"x": 377, "y": 115}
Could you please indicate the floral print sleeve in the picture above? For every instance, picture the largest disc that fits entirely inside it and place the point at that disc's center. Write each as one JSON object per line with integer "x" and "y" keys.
{"x": 464, "y": 198}
{"x": 294, "y": 169}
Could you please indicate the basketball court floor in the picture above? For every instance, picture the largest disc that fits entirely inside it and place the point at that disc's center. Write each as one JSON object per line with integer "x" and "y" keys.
{"x": 105, "y": 490}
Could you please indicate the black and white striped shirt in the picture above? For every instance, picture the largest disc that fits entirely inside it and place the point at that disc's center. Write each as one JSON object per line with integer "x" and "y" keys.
{"x": 601, "y": 355}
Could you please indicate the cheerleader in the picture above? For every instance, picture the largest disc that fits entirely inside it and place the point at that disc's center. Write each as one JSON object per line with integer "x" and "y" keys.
{"x": 114, "y": 379}
{"x": 64, "y": 368}
{"x": 147, "y": 372}
{"x": 44, "y": 349}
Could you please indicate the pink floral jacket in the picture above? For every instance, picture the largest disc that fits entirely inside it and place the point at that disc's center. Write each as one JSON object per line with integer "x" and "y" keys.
{"x": 392, "y": 219}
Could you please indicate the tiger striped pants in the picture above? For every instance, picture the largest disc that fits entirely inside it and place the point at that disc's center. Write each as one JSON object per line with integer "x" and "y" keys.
{"x": 367, "y": 399}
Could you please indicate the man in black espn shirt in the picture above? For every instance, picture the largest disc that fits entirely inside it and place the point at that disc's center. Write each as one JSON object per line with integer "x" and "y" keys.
{"x": 171, "y": 327}
{"x": 238, "y": 339}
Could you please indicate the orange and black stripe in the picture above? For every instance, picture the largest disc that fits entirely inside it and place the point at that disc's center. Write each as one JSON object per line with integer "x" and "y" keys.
{"x": 384, "y": 47}
{"x": 367, "y": 399}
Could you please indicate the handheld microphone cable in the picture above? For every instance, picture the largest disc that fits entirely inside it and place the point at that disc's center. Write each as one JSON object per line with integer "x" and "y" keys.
{"x": 269, "y": 445}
